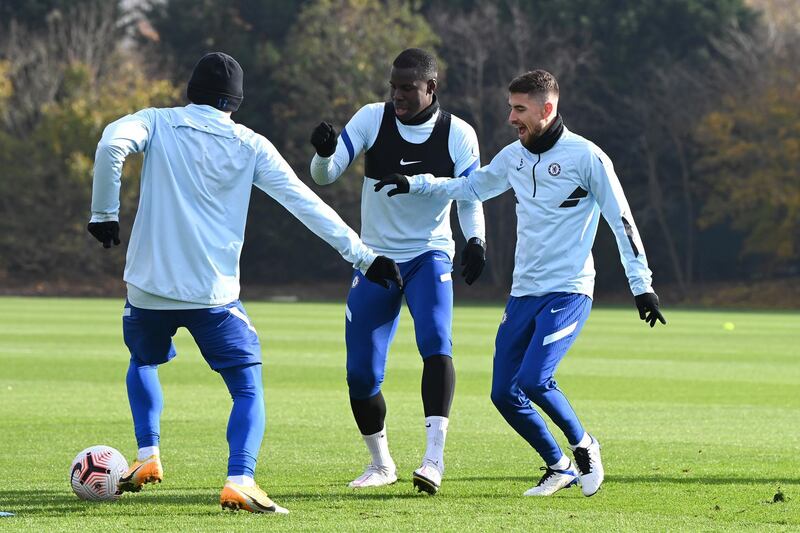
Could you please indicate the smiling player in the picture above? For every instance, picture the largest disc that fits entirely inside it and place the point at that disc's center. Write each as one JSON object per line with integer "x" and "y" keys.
{"x": 562, "y": 183}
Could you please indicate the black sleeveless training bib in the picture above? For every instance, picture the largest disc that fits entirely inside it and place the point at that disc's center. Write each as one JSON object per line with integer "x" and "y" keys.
{"x": 391, "y": 154}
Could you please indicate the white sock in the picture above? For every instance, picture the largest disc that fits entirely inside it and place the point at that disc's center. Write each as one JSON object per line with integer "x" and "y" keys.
{"x": 146, "y": 452}
{"x": 436, "y": 430}
{"x": 245, "y": 481}
{"x": 378, "y": 446}
{"x": 562, "y": 463}
{"x": 586, "y": 440}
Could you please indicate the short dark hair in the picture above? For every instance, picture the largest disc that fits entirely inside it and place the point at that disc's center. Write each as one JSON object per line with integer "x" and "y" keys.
{"x": 535, "y": 83}
{"x": 422, "y": 61}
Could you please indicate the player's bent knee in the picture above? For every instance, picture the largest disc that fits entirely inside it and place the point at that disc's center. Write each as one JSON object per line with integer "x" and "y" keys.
{"x": 503, "y": 399}
{"x": 243, "y": 381}
{"x": 433, "y": 339}
{"x": 247, "y": 391}
{"x": 535, "y": 389}
{"x": 362, "y": 386}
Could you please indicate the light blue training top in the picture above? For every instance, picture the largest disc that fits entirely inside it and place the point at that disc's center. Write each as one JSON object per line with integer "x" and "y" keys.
{"x": 199, "y": 169}
{"x": 560, "y": 195}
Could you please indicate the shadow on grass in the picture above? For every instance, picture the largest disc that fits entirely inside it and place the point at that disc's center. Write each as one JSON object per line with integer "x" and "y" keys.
{"x": 192, "y": 502}
{"x": 59, "y": 503}
{"x": 704, "y": 480}
{"x": 354, "y": 494}
{"x": 687, "y": 479}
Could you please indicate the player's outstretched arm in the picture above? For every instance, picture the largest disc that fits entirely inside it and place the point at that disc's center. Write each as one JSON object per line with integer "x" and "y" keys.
{"x": 274, "y": 176}
{"x": 482, "y": 184}
{"x": 647, "y": 304}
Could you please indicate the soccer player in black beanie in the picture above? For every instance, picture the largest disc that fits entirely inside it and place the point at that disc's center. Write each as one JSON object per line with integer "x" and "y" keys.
{"x": 216, "y": 81}
{"x": 182, "y": 265}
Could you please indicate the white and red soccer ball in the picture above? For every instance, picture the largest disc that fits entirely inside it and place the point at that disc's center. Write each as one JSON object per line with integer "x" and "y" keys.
{"x": 95, "y": 473}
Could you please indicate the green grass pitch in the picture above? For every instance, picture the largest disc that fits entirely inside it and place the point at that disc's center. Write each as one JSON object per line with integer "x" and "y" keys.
{"x": 700, "y": 426}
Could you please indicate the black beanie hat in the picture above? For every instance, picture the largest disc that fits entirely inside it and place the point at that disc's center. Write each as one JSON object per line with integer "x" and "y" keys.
{"x": 216, "y": 81}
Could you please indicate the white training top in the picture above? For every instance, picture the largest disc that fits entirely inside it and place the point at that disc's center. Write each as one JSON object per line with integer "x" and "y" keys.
{"x": 560, "y": 195}
{"x": 199, "y": 169}
{"x": 404, "y": 228}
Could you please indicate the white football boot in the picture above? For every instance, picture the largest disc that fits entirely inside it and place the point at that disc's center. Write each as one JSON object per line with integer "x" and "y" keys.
{"x": 428, "y": 477}
{"x": 554, "y": 480}
{"x": 375, "y": 476}
{"x": 590, "y": 467}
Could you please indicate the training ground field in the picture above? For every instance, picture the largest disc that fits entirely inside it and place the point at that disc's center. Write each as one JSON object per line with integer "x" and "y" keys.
{"x": 699, "y": 423}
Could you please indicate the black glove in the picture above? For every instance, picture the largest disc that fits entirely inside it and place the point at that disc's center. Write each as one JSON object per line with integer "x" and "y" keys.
{"x": 324, "y": 139}
{"x": 647, "y": 304}
{"x": 382, "y": 271}
{"x": 105, "y": 232}
{"x": 473, "y": 258}
{"x": 394, "y": 179}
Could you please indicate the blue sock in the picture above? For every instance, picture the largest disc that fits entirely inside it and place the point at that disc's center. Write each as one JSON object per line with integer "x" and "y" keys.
{"x": 144, "y": 396}
{"x": 247, "y": 420}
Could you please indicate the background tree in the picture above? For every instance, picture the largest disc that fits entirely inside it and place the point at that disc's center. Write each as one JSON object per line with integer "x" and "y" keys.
{"x": 41, "y": 47}
{"x": 750, "y": 160}
{"x": 328, "y": 70}
{"x": 174, "y": 34}
{"x": 675, "y": 92}
{"x": 483, "y": 60}
{"x": 52, "y": 123}
{"x": 632, "y": 80}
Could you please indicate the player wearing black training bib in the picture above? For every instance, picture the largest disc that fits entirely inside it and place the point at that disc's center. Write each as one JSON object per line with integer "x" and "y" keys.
{"x": 409, "y": 134}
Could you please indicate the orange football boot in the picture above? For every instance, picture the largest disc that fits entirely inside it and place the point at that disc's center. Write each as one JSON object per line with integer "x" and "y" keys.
{"x": 141, "y": 472}
{"x": 252, "y": 499}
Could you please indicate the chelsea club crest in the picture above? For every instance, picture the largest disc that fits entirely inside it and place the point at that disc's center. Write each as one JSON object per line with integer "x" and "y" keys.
{"x": 554, "y": 169}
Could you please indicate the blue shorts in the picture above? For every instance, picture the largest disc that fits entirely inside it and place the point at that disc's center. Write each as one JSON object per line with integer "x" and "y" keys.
{"x": 372, "y": 314}
{"x": 224, "y": 334}
{"x": 534, "y": 335}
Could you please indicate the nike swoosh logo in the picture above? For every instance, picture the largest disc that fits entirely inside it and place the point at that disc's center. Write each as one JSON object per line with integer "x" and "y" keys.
{"x": 254, "y": 503}
{"x": 557, "y": 310}
{"x": 427, "y": 425}
{"x": 130, "y": 477}
{"x": 520, "y": 167}
{"x": 403, "y": 162}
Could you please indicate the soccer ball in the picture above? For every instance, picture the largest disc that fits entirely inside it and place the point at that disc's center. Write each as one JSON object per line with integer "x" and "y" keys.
{"x": 95, "y": 473}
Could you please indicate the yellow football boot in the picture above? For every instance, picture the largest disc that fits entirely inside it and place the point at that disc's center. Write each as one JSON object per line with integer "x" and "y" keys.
{"x": 252, "y": 499}
{"x": 141, "y": 472}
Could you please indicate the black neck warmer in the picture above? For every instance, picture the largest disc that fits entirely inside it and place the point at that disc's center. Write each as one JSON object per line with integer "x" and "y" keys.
{"x": 548, "y": 138}
{"x": 424, "y": 115}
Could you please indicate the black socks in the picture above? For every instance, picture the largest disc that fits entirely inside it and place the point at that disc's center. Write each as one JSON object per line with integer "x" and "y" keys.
{"x": 369, "y": 414}
{"x": 438, "y": 385}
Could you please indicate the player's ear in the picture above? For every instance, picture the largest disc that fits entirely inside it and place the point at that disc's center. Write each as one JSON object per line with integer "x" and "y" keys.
{"x": 547, "y": 110}
{"x": 432, "y": 83}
